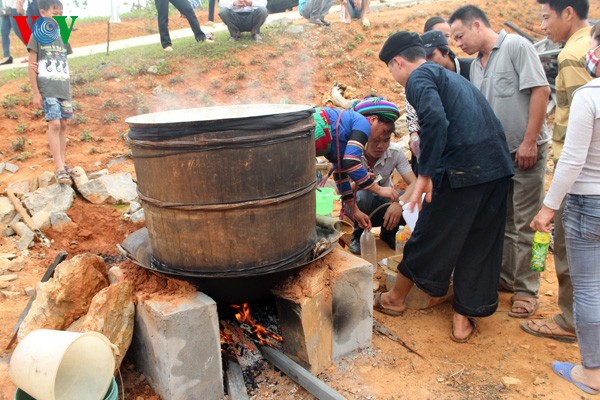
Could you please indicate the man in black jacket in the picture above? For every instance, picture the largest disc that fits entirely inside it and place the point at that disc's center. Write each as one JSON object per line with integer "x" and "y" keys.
{"x": 464, "y": 170}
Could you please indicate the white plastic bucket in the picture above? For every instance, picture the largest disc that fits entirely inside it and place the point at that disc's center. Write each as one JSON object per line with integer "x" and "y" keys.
{"x": 59, "y": 365}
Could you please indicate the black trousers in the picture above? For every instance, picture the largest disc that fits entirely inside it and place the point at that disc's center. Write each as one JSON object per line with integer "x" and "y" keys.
{"x": 460, "y": 231}
{"x": 185, "y": 8}
{"x": 243, "y": 21}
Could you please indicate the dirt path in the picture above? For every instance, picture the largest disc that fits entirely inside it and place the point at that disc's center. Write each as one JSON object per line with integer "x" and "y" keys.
{"x": 299, "y": 68}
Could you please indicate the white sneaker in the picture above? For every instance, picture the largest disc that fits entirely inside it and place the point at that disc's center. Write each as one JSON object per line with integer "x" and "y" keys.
{"x": 168, "y": 48}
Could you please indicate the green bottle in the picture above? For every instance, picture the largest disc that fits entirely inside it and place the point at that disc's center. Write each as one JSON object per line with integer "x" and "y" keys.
{"x": 539, "y": 250}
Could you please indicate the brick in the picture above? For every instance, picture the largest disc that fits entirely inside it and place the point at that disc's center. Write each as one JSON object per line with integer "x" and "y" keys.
{"x": 306, "y": 328}
{"x": 177, "y": 347}
{"x": 352, "y": 304}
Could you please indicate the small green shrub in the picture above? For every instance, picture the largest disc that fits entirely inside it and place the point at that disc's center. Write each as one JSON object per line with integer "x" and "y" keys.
{"x": 86, "y": 135}
{"x": 110, "y": 118}
{"x": 21, "y": 128}
{"x": 91, "y": 91}
{"x": 19, "y": 143}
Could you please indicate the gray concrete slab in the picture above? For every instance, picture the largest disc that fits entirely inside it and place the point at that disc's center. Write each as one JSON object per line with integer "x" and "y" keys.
{"x": 176, "y": 345}
{"x": 352, "y": 294}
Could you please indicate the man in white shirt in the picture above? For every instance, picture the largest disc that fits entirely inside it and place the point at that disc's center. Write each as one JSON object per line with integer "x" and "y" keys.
{"x": 382, "y": 158}
{"x": 243, "y": 16}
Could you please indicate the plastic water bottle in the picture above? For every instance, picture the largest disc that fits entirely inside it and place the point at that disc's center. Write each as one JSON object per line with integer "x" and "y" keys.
{"x": 401, "y": 238}
{"x": 539, "y": 251}
{"x": 368, "y": 248}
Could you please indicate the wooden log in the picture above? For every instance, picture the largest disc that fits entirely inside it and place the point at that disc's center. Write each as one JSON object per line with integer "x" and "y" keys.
{"x": 235, "y": 381}
{"x": 27, "y": 219}
{"x": 308, "y": 381}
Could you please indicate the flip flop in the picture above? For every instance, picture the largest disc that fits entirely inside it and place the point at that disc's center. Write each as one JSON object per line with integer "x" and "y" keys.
{"x": 473, "y": 323}
{"x": 563, "y": 369}
{"x": 379, "y": 307}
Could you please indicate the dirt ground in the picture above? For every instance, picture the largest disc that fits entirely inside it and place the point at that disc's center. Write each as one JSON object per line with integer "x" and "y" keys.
{"x": 286, "y": 68}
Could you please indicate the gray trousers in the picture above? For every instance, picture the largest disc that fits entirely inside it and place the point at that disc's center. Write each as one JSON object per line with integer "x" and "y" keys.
{"x": 525, "y": 198}
{"x": 561, "y": 265}
{"x": 238, "y": 22}
{"x": 316, "y": 9}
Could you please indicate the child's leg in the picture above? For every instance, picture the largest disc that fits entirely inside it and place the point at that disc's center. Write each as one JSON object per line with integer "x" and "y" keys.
{"x": 63, "y": 140}
{"x": 54, "y": 142}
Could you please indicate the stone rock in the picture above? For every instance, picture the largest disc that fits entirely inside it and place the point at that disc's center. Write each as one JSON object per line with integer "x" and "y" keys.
{"x": 111, "y": 189}
{"x": 509, "y": 380}
{"x": 539, "y": 381}
{"x": 157, "y": 90}
{"x": 138, "y": 217}
{"x": 16, "y": 265}
{"x": 134, "y": 206}
{"x": 58, "y": 220}
{"x": 8, "y": 256}
{"x": 296, "y": 29}
{"x": 98, "y": 174}
{"x": 51, "y": 198}
{"x": 23, "y": 187}
{"x": 8, "y": 278}
{"x": 2, "y": 167}
{"x": 117, "y": 160}
{"x": 26, "y": 235}
{"x": 80, "y": 180}
{"x": 9, "y": 294}
{"x": 4, "y": 285}
{"x": 67, "y": 296}
{"x": 41, "y": 220}
{"x": 7, "y": 211}
{"x": 12, "y": 168}
{"x": 112, "y": 313}
{"x": 45, "y": 179}
{"x": 153, "y": 70}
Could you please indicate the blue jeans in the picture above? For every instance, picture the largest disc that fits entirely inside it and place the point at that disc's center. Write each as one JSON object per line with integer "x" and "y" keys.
{"x": 6, "y": 24}
{"x": 581, "y": 220}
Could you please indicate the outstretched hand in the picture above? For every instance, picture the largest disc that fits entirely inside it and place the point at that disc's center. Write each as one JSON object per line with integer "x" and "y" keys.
{"x": 422, "y": 186}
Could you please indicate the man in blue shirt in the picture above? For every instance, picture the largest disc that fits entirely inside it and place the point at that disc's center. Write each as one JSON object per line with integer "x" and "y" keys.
{"x": 464, "y": 170}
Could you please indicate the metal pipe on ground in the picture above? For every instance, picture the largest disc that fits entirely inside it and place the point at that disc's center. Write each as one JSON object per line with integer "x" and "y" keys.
{"x": 301, "y": 376}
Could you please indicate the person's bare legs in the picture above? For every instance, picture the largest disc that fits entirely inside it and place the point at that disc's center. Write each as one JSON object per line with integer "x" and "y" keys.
{"x": 348, "y": 18}
{"x": 57, "y": 143}
{"x": 63, "y": 140}
{"x": 364, "y": 19}
{"x": 462, "y": 326}
{"x": 395, "y": 299}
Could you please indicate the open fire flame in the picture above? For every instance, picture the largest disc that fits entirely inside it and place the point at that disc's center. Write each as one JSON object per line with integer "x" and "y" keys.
{"x": 264, "y": 336}
{"x": 230, "y": 339}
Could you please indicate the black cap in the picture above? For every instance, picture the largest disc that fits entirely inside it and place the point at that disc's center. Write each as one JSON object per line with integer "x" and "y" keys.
{"x": 397, "y": 43}
{"x": 432, "y": 40}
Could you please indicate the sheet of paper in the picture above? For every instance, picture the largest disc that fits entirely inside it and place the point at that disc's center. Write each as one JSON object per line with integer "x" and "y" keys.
{"x": 411, "y": 217}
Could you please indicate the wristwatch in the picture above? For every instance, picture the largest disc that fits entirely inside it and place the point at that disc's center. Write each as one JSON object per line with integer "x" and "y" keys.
{"x": 401, "y": 202}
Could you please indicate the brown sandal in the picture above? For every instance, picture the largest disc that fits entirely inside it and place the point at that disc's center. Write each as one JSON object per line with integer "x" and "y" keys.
{"x": 548, "y": 328}
{"x": 521, "y": 301}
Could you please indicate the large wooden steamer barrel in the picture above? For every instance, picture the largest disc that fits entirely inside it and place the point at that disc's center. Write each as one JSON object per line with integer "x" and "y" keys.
{"x": 227, "y": 189}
